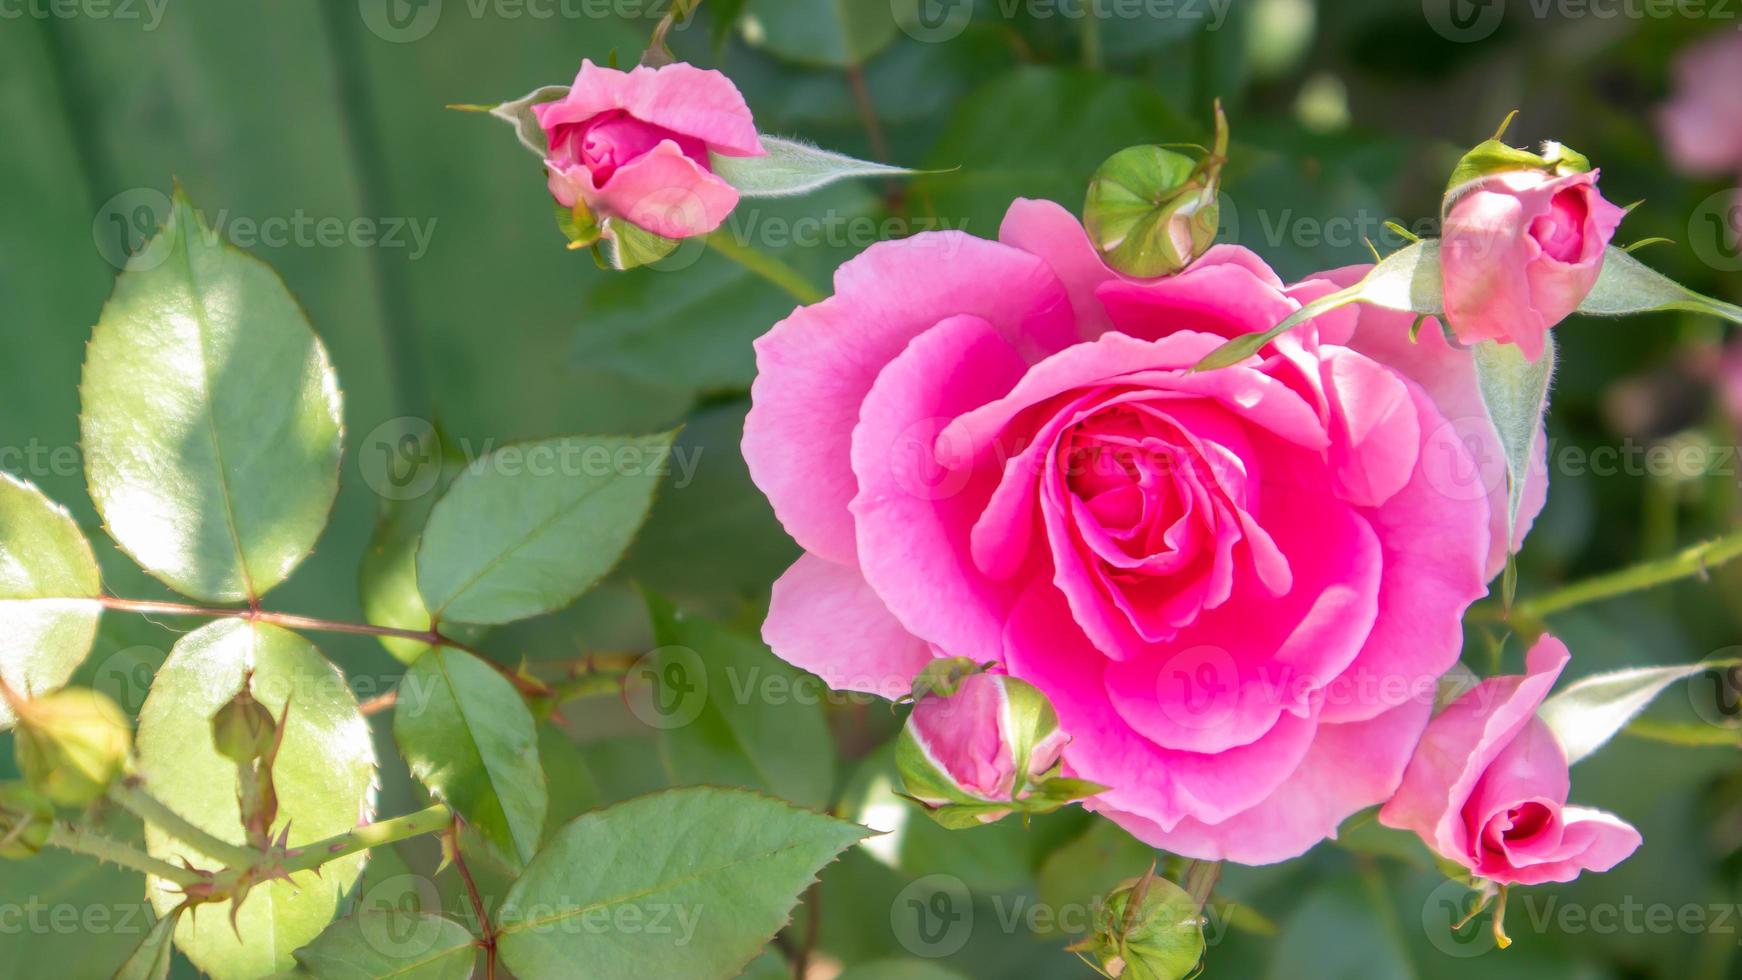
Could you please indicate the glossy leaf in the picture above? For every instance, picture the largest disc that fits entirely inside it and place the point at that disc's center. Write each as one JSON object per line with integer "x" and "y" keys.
{"x": 391, "y": 943}
{"x": 324, "y": 775}
{"x": 469, "y": 737}
{"x": 151, "y": 959}
{"x": 48, "y": 578}
{"x": 1515, "y": 392}
{"x": 686, "y": 883}
{"x": 744, "y": 719}
{"x": 530, "y": 527}
{"x": 210, "y": 417}
{"x": 1588, "y": 712}
{"x": 794, "y": 167}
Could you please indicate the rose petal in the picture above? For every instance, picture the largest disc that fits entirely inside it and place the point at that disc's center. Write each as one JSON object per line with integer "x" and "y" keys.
{"x": 824, "y": 618}
{"x": 698, "y": 102}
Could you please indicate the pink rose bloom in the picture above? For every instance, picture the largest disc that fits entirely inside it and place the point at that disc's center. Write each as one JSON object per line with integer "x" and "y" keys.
{"x": 634, "y": 145}
{"x": 1488, "y": 786}
{"x": 1519, "y": 253}
{"x": 1236, "y": 587}
{"x": 1702, "y": 124}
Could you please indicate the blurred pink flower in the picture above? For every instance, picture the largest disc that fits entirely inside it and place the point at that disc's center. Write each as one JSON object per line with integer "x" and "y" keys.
{"x": 634, "y": 145}
{"x": 1488, "y": 786}
{"x": 1236, "y": 587}
{"x": 1702, "y": 122}
{"x": 1520, "y": 251}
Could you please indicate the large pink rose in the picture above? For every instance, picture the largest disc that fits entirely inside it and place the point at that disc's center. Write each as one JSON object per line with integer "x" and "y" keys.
{"x": 1519, "y": 253}
{"x": 1237, "y": 587}
{"x": 1702, "y": 124}
{"x": 634, "y": 145}
{"x": 1488, "y": 786}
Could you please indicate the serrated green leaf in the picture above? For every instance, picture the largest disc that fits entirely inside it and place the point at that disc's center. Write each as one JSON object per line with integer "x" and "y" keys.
{"x": 387, "y": 578}
{"x": 1515, "y": 392}
{"x": 760, "y": 723}
{"x": 391, "y": 944}
{"x": 686, "y": 883}
{"x": 210, "y": 417}
{"x": 1588, "y": 712}
{"x": 469, "y": 737}
{"x": 324, "y": 775}
{"x": 530, "y": 527}
{"x": 794, "y": 167}
{"x": 1407, "y": 280}
{"x": 150, "y": 959}
{"x": 48, "y": 578}
{"x": 1627, "y": 285}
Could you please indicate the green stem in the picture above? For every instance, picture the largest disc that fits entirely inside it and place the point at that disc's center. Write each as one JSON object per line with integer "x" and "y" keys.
{"x": 82, "y": 840}
{"x": 1688, "y": 562}
{"x": 379, "y": 834}
{"x": 131, "y": 794}
{"x": 788, "y": 279}
{"x": 1091, "y": 40}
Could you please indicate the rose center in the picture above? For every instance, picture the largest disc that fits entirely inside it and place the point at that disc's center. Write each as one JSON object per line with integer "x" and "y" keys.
{"x": 1561, "y": 231}
{"x": 611, "y": 140}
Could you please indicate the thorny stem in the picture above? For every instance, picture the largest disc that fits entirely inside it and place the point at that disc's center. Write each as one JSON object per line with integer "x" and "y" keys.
{"x": 487, "y": 929}
{"x": 83, "y": 840}
{"x": 1693, "y": 561}
{"x": 131, "y": 794}
{"x": 379, "y": 834}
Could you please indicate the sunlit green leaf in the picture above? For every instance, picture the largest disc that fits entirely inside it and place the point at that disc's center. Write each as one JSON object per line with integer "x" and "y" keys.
{"x": 47, "y": 579}
{"x": 1588, "y": 712}
{"x": 391, "y": 945}
{"x": 1515, "y": 392}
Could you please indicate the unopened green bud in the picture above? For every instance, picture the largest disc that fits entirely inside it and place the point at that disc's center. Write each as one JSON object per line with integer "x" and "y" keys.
{"x": 72, "y": 744}
{"x": 1492, "y": 157}
{"x": 243, "y": 729}
{"x": 26, "y": 819}
{"x": 1152, "y": 210}
{"x": 1147, "y": 928}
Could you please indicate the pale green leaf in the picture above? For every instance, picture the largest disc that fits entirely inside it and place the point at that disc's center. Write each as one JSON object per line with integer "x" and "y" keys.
{"x": 794, "y": 167}
{"x": 530, "y": 527}
{"x": 391, "y": 944}
{"x": 1514, "y": 390}
{"x": 210, "y": 417}
{"x": 754, "y": 721}
{"x": 629, "y": 246}
{"x": 518, "y": 113}
{"x": 150, "y": 959}
{"x": 469, "y": 737}
{"x": 1588, "y": 712}
{"x": 686, "y": 883}
{"x": 1627, "y": 285}
{"x": 47, "y": 581}
{"x": 324, "y": 776}
{"x": 1406, "y": 280}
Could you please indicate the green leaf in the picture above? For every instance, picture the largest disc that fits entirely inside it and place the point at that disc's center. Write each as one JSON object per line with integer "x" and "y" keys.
{"x": 48, "y": 578}
{"x": 1588, "y": 712}
{"x": 469, "y": 737}
{"x": 387, "y": 578}
{"x": 1408, "y": 280}
{"x": 629, "y": 246}
{"x": 324, "y": 775}
{"x": 686, "y": 883}
{"x": 1078, "y": 874}
{"x": 391, "y": 943}
{"x": 731, "y": 713}
{"x": 1627, "y": 285}
{"x": 530, "y": 527}
{"x": 833, "y": 33}
{"x": 1515, "y": 392}
{"x": 574, "y": 787}
{"x": 150, "y": 960}
{"x": 210, "y": 417}
{"x": 794, "y": 167}
{"x": 518, "y": 113}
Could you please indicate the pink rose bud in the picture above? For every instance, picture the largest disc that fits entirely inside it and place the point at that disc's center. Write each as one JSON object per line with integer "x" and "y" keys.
{"x": 635, "y": 146}
{"x": 981, "y": 746}
{"x": 1523, "y": 243}
{"x": 1487, "y": 787}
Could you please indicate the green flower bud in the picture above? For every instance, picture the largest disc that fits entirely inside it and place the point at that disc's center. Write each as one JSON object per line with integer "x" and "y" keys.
{"x": 1147, "y": 928}
{"x": 1492, "y": 156}
{"x": 26, "y": 819}
{"x": 243, "y": 729}
{"x": 72, "y": 744}
{"x": 1152, "y": 210}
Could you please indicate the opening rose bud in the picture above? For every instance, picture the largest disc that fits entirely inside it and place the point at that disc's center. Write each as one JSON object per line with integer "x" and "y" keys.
{"x": 636, "y": 146}
{"x": 1151, "y": 210}
{"x": 990, "y": 747}
{"x": 26, "y": 818}
{"x": 1523, "y": 242}
{"x": 70, "y": 745}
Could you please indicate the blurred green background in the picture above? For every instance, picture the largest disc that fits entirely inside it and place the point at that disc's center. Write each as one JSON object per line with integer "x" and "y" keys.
{"x": 1346, "y": 113}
